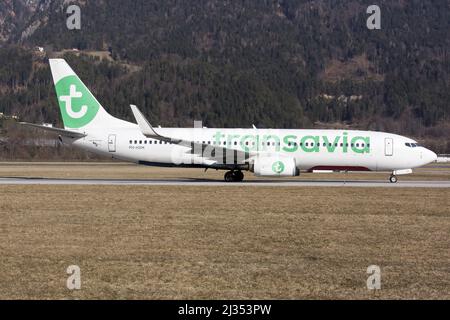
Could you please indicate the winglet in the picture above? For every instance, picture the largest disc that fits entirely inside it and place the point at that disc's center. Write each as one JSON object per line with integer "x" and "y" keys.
{"x": 144, "y": 125}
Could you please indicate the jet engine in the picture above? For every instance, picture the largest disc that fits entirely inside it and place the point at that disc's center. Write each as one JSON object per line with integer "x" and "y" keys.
{"x": 275, "y": 166}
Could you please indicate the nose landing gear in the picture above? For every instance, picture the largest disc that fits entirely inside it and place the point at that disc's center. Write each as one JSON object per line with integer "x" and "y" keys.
{"x": 393, "y": 179}
{"x": 234, "y": 176}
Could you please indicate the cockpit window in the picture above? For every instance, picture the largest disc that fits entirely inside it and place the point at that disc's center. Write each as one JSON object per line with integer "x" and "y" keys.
{"x": 412, "y": 144}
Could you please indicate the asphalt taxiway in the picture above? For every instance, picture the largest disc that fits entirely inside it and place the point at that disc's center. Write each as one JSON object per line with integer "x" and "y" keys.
{"x": 213, "y": 183}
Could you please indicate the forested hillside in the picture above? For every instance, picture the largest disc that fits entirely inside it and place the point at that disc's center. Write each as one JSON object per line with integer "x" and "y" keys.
{"x": 285, "y": 63}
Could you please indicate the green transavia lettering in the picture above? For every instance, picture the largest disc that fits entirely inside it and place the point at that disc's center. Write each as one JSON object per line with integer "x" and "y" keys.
{"x": 292, "y": 143}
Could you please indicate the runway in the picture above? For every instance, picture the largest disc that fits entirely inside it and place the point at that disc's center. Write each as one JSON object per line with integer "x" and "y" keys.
{"x": 217, "y": 183}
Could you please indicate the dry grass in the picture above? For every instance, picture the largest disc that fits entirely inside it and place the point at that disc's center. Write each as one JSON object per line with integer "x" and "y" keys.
{"x": 172, "y": 242}
{"x": 117, "y": 170}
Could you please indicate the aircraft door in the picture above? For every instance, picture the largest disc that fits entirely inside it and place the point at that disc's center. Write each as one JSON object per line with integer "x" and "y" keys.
{"x": 112, "y": 143}
{"x": 388, "y": 147}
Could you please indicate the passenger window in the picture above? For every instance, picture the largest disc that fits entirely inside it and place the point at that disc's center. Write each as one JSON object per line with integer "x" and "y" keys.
{"x": 235, "y": 143}
{"x": 140, "y": 141}
{"x": 131, "y": 141}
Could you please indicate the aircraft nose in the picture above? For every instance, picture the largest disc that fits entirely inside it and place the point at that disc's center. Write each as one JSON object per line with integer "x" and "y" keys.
{"x": 429, "y": 156}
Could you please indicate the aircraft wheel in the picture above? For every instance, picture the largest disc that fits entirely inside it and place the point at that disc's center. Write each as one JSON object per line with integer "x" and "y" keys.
{"x": 238, "y": 176}
{"x": 393, "y": 179}
{"x": 229, "y": 176}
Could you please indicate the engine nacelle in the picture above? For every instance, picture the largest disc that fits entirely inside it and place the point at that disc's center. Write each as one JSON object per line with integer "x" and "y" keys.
{"x": 275, "y": 166}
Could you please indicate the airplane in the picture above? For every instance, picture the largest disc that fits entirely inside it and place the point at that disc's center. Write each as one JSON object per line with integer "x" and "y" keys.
{"x": 264, "y": 152}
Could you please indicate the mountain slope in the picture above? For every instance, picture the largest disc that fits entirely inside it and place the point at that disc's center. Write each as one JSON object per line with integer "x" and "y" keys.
{"x": 233, "y": 63}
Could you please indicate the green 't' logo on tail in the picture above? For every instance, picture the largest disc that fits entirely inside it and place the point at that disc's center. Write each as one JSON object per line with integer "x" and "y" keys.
{"x": 278, "y": 167}
{"x": 78, "y": 106}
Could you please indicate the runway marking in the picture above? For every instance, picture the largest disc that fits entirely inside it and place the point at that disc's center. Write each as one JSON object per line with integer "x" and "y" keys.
{"x": 206, "y": 182}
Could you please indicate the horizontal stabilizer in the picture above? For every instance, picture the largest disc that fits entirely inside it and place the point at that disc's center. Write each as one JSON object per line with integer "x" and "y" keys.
{"x": 62, "y": 132}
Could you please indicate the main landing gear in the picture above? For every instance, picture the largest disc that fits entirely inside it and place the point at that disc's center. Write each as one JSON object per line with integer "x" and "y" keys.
{"x": 393, "y": 178}
{"x": 234, "y": 176}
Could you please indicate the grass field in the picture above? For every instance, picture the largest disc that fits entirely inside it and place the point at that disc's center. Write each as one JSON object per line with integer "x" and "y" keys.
{"x": 154, "y": 242}
{"x": 117, "y": 170}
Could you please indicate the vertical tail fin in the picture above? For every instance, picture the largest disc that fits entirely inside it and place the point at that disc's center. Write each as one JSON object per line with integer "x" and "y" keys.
{"x": 79, "y": 108}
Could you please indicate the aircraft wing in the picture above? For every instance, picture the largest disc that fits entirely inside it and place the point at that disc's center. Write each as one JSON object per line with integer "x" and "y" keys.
{"x": 62, "y": 132}
{"x": 217, "y": 153}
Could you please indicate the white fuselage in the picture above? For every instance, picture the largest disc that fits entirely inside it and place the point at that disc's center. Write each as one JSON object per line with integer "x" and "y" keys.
{"x": 312, "y": 149}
